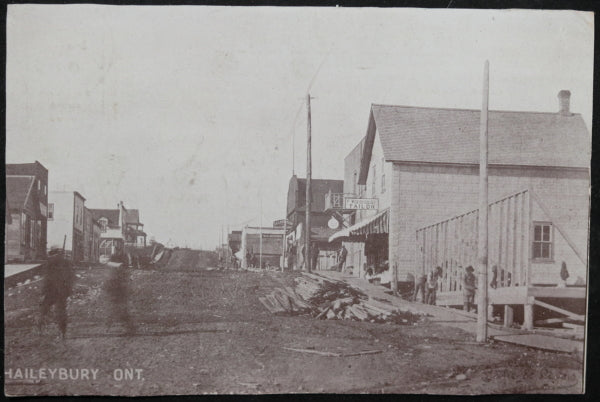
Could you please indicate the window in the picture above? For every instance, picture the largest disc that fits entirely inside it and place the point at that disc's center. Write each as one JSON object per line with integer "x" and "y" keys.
{"x": 382, "y": 176}
{"x": 103, "y": 224}
{"x": 374, "y": 182}
{"x": 51, "y": 211}
{"x": 542, "y": 241}
{"x": 45, "y": 190}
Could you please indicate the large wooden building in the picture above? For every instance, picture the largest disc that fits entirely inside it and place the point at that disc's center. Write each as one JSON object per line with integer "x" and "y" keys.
{"x": 422, "y": 166}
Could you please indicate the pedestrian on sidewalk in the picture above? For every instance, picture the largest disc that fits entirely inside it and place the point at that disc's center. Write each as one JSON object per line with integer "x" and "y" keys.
{"x": 56, "y": 289}
{"x": 420, "y": 283}
{"x": 342, "y": 258}
{"x": 432, "y": 284}
{"x": 469, "y": 288}
{"x": 314, "y": 250}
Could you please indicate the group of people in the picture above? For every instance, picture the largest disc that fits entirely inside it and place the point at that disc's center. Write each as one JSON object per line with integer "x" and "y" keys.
{"x": 57, "y": 287}
{"x": 427, "y": 285}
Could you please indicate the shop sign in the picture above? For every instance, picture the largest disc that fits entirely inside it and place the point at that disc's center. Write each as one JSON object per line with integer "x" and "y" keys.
{"x": 361, "y": 203}
{"x": 279, "y": 223}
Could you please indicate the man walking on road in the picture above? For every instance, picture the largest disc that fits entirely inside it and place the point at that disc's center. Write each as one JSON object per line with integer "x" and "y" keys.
{"x": 117, "y": 289}
{"x": 56, "y": 290}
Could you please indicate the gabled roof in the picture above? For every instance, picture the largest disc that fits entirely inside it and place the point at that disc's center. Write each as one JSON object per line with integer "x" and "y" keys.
{"x": 132, "y": 216}
{"x": 111, "y": 214}
{"x": 18, "y": 189}
{"x": 437, "y": 135}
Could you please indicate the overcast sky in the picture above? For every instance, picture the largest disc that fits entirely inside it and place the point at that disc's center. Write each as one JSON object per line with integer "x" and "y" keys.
{"x": 189, "y": 113}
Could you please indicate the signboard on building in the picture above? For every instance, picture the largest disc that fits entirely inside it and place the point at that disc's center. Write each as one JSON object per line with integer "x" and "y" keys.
{"x": 361, "y": 203}
{"x": 279, "y": 223}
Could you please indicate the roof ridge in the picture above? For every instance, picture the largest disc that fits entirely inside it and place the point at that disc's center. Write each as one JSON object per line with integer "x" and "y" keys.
{"x": 471, "y": 110}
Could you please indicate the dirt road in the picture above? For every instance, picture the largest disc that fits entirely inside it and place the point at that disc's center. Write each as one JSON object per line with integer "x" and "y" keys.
{"x": 206, "y": 332}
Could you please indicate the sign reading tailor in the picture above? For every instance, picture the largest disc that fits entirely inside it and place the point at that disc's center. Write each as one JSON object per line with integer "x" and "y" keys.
{"x": 361, "y": 203}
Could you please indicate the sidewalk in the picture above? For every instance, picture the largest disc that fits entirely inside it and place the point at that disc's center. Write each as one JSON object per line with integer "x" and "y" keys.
{"x": 457, "y": 318}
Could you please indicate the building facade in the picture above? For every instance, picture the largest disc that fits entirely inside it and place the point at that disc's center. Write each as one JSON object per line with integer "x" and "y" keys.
{"x": 321, "y": 220}
{"x": 66, "y": 223}
{"x": 28, "y": 191}
{"x": 261, "y": 247}
{"x": 422, "y": 166}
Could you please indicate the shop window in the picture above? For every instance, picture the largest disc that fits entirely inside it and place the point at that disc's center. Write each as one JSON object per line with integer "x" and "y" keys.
{"x": 51, "y": 211}
{"x": 542, "y": 241}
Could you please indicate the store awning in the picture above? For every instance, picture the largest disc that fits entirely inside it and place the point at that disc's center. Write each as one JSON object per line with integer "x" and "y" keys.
{"x": 378, "y": 223}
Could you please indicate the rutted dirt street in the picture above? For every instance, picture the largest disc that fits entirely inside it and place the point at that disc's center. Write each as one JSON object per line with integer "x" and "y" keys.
{"x": 205, "y": 331}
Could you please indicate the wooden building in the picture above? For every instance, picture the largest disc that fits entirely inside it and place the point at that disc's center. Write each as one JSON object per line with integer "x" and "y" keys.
{"x": 422, "y": 166}
{"x": 320, "y": 219}
{"x": 261, "y": 245}
{"x": 27, "y": 194}
{"x": 68, "y": 219}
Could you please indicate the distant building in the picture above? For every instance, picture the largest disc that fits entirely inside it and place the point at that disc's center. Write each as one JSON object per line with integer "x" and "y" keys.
{"x": 234, "y": 239}
{"x": 91, "y": 237}
{"x": 320, "y": 219}
{"x": 261, "y": 244}
{"x": 119, "y": 227}
{"x": 27, "y": 196}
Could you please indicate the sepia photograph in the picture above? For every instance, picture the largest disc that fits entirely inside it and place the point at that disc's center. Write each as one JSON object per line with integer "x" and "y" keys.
{"x": 296, "y": 200}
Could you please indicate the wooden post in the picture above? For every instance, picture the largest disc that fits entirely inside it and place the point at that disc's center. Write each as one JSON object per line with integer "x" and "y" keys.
{"x": 261, "y": 236}
{"x": 307, "y": 259}
{"x": 528, "y": 313}
{"x": 483, "y": 213}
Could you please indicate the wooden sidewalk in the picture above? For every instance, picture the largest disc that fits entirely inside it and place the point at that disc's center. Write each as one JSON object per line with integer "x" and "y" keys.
{"x": 457, "y": 318}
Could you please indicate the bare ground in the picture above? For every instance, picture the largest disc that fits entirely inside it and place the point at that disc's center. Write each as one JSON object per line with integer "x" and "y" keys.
{"x": 206, "y": 332}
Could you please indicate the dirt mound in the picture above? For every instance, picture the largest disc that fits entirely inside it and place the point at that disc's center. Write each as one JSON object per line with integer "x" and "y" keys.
{"x": 186, "y": 259}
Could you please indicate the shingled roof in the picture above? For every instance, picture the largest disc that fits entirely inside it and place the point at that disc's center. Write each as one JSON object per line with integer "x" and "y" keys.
{"x": 132, "y": 216}
{"x": 111, "y": 214}
{"x": 17, "y": 190}
{"x": 419, "y": 134}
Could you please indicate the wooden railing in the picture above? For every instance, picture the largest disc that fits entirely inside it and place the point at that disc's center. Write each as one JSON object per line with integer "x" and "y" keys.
{"x": 452, "y": 244}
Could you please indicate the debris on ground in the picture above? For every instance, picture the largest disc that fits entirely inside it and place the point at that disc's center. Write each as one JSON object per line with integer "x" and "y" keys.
{"x": 332, "y": 300}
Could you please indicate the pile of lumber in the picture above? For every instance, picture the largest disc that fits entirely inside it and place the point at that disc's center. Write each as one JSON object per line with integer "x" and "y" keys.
{"x": 333, "y": 300}
{"x": 285, "y": 301}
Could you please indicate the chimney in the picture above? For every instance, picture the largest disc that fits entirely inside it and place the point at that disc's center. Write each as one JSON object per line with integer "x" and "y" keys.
{"x": 564, "y": 99}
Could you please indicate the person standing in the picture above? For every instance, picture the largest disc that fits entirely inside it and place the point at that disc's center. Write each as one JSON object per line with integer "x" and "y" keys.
{"x": 117, "y": 290}
{"x": 420, "y": 285}
{"x": 314, "y": 251}
{"x": 56, "y": 289}
{"x": 432, "y": 284}
{"x": 342, "y": 258}
{"x": 469, "y": 287}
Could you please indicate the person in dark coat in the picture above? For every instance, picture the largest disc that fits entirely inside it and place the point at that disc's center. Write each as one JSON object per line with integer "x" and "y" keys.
{"x": 469, "y": 287}
{"x": 342, "y": 258}
{"x": 494, "y": 281}
{"x": 56, "y": 289}
{"x": 117, "y": 290}
{"x": 314, "y": 251}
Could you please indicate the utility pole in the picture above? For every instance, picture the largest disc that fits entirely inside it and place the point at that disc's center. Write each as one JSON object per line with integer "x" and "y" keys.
{"x": 261, "y": 234}
{"x": 482, "y": 241}
{"x": 308, "y": 189}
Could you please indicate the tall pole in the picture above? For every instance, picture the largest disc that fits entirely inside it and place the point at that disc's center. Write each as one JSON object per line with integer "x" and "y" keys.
{"x": 482, "y": 241}
{"x": 308, "y": 189}
{"x": 260, "y": 240}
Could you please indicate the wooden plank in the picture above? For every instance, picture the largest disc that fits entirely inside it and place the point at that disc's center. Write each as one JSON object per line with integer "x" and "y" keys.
{"x": 573, "y": 326}
{"x": 314, "y": 352}
{"x": 500, "y": 243}
{"x": 514, "y": 241}
{"x": 559, "y": 310}
{"x": 551, "y": 291}
{"x": 524, "y": 239}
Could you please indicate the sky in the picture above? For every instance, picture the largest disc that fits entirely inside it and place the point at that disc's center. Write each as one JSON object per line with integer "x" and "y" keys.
{"x": 196, "y": 115}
